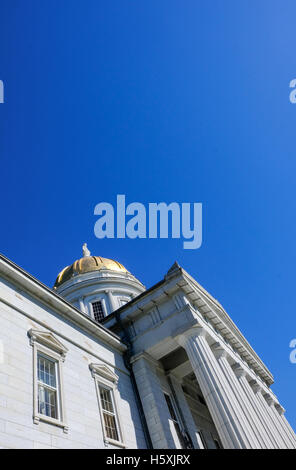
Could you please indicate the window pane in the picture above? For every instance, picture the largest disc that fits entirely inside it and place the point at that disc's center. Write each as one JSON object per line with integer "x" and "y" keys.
{"x": 106, "y": 400}
{"x": 108, "y": 414}
{"x": 98, "y": 310}
{"x": 203, "y": 441}
{"x": 46, "y": 371}
{"x": 170, "y": 407}
{"x": 47, "y": 402}
{"x": 174, "y": 418}
{"x": 110, "y": 426}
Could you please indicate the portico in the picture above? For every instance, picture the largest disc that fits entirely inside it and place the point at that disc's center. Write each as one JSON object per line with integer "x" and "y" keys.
{"x": 183, "y": 340}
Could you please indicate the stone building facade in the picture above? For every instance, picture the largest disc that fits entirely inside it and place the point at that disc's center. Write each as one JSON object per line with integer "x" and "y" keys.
{"x": 101, "y": 362}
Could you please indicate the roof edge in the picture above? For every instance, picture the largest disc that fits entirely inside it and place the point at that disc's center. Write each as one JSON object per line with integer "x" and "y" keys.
{"x": 65, "y": 308}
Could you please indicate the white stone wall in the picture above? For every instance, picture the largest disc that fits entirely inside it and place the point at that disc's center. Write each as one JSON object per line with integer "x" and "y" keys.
{"x": 18, "y": 314}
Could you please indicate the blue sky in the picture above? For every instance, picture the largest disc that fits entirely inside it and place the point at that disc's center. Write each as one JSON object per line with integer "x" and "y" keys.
{"x": 160, "y": 101}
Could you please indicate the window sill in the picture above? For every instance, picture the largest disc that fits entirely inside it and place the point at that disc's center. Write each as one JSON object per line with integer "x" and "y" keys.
{"x": 46, "y": 419}
{"x": 114, "y": 443}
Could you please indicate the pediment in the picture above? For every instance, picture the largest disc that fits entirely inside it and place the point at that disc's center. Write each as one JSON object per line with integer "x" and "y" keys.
{"x": 103, "y": 371}
{"x": 47, "y": 339}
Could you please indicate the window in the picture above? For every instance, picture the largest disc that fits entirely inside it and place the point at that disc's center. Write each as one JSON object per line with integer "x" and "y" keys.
{"x": 174, "y": 419}
{"x": 202, "y": 440}
{"x": 106, "y": 386}
{"x": 48, "y": 356}
{"x": 109, "y": 417}
{"x": 98, "y": 311}
{"x": 47, "y": 387}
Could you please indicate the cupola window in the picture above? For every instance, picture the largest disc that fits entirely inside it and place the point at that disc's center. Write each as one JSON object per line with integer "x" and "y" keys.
{"x": 98, "y": 310}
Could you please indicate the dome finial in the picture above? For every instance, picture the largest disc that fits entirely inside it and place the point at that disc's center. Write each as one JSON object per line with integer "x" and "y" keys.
{"x": 85, "y": 250}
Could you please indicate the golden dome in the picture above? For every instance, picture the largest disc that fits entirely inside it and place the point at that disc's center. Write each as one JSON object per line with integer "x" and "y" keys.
{"x": 88, "y": 264}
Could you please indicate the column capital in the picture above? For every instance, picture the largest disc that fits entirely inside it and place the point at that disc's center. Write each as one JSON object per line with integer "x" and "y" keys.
{"x": 269, "y": 399}
{"x": 255, "y": 386}
{"x": 192, "y": 332}
{"x": 218, "y": 350}
{"x": 239, "y": 370}
{"x": 280, "y": 409}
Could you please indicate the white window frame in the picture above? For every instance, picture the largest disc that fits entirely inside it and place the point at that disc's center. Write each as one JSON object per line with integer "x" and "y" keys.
{"x": 176, "y": 421}
{"x": 106, "y": 378}
{"x": 102, "y": 305}
{"x": 99, "y": 297}
{"x": 46, "y": 344}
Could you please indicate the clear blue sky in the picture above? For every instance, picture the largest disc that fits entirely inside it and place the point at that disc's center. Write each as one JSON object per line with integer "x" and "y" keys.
{"x": 161, "y": 101}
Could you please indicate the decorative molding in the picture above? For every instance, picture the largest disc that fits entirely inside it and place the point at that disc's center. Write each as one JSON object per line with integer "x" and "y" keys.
{"x": 103, "y": 371}
{"x": 155, "y": 315}
{"x": 24, "y": 281}
{"x": 104, "y": 376}
{"x": 195, "y": 329}
{"x": 218, "y": 350}
{"x": 174, "y": 269}
{"x": 281, "y": 410}
{"x": 255, "y": 386}
{"x": 269, "y": 399}
{"x": 238, "y": 370}
{"x": 46, "y": 338}
{"x": 45, "y": 342}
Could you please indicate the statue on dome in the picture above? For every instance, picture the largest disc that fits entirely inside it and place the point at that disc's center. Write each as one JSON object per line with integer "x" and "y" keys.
{"x": 85, "y": 250}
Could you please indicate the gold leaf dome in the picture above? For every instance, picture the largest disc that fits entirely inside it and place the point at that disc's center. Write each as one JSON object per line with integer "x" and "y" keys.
{"x": 88, "y": 264}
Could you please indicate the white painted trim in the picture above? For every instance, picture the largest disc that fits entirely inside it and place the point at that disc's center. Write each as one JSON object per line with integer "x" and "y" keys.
{"x": 47, "y": 344}
{"x": 98, "y": 297}
{"x": 106, "y": 377}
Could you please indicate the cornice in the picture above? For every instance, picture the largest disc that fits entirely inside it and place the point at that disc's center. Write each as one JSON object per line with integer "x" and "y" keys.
{"x": 236, "y": 336}
{"x": 197, "y": 294}
{"x": 89, "y": 279}
{"x": 17, "y": 276}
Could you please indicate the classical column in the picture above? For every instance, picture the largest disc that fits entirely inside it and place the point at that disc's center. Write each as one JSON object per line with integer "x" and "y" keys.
{"x": 259, "y": 424}
{"x": 112, "y": 305}
{"x": 82, "y": 305}
{"x": 290, "y": 443}
{"x": 256, "y": 389}
{"x": 219, "y": 396}
{"x": 280, "y": 410}
{"x": 242, "y": 409}
{"x": 277, "y": 438}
